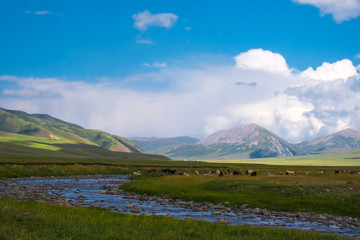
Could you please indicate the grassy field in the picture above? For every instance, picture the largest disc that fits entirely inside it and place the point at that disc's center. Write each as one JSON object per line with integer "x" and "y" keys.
{"x": 36, "y": 220}
{"x": 322, "y": 193}
{"x": 347, "y": 158}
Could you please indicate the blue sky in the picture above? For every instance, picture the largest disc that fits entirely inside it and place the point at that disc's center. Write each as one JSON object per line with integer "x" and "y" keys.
{"x": 134, "y": 53}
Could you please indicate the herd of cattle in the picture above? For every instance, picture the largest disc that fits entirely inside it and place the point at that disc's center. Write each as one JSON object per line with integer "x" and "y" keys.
{"x": 236, "y": 173}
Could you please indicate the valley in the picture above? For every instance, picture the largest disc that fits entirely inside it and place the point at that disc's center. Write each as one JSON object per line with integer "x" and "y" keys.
{"x": 282, "y": 186}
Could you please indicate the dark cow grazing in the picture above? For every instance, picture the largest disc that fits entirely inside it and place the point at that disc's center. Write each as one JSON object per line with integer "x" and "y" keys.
{"x": 168, "y": 171}
{"x": 337, "y": 171}
{"x": 221, "y": 174}
{"x": 212, "y": 172}
{"x": 235, "y": 173}
{"x": 253, "y": 174}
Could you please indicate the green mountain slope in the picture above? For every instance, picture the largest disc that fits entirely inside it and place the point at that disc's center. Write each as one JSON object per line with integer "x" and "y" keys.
{"x": 240, "y": 142}
{"x": 41, "y": 125}
{"x": 162, "y": 145}
{"x": 18, "y": 146}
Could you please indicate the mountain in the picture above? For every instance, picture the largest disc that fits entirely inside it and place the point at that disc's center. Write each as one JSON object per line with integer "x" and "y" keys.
{"x": 250, "y": 141}
{"x": 42, "y": 125}
{"x": 345, "y": 139}
{"x": 162, "y": 145}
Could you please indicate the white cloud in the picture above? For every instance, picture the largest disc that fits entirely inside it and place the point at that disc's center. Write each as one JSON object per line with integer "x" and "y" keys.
{"x": 145, "y": 19}
{"x": 331, "y": 71}
{"x": 43, "y": 12}
{"x": 194, "y": 102}
{"x": 156, "y": 65}
{"x": 144, "y": 41}
{"x": 340, "y": 10}
{"x": 259, "y": 59}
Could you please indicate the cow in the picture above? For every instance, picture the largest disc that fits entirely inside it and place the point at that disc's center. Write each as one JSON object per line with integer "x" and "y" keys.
{"x": 168, "y": 171}
{"x": 253, "y": 174}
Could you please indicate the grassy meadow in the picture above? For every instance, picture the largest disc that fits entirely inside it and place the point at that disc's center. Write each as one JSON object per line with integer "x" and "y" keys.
{"x": 330, "y": 158}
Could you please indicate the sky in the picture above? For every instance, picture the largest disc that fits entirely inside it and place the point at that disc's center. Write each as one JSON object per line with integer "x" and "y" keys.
{"x": 173, "y": 68}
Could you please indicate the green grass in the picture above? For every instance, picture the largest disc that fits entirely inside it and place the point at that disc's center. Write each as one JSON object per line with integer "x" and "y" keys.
{"x": 36, "y": 220}
{"x": 351, "y": 158}
{"x": 327, "y": 193}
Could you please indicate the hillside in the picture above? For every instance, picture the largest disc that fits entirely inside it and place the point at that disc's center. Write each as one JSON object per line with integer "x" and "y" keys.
{"x": 41, "y": 125}
{"x": 162, "y": 145}
{"x": 250, "y": 141}
{"x": 18, "y": 146}
{"x": 345, "y": 139}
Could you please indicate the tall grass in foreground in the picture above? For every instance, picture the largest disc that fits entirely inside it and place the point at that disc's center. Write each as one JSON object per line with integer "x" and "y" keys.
{"x": 36, "y": 220}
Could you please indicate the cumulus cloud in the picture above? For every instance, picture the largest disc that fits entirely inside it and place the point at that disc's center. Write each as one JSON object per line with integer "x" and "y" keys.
{"x": 156, "y": 65}
{"x": 340, "y": 10}
{"x": 331, "y": 71}
{"x": 195, "y": 102}
{"x": 259, "y": 59}
{"x": 145, "y": 19}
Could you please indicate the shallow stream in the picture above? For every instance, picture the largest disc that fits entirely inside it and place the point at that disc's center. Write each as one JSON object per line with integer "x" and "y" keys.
{"x": 93, "y": 192}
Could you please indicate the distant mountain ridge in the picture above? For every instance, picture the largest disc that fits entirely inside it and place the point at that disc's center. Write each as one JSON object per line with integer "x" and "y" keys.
{"x": 42, "y": 125}
{"x": 347, "y": 139}
{"x": 249, "y": 141}
{"x": 162, "y": 145}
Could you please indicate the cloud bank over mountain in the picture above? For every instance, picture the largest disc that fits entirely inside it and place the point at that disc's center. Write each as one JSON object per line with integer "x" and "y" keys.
{"x": 198, "y": 101}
